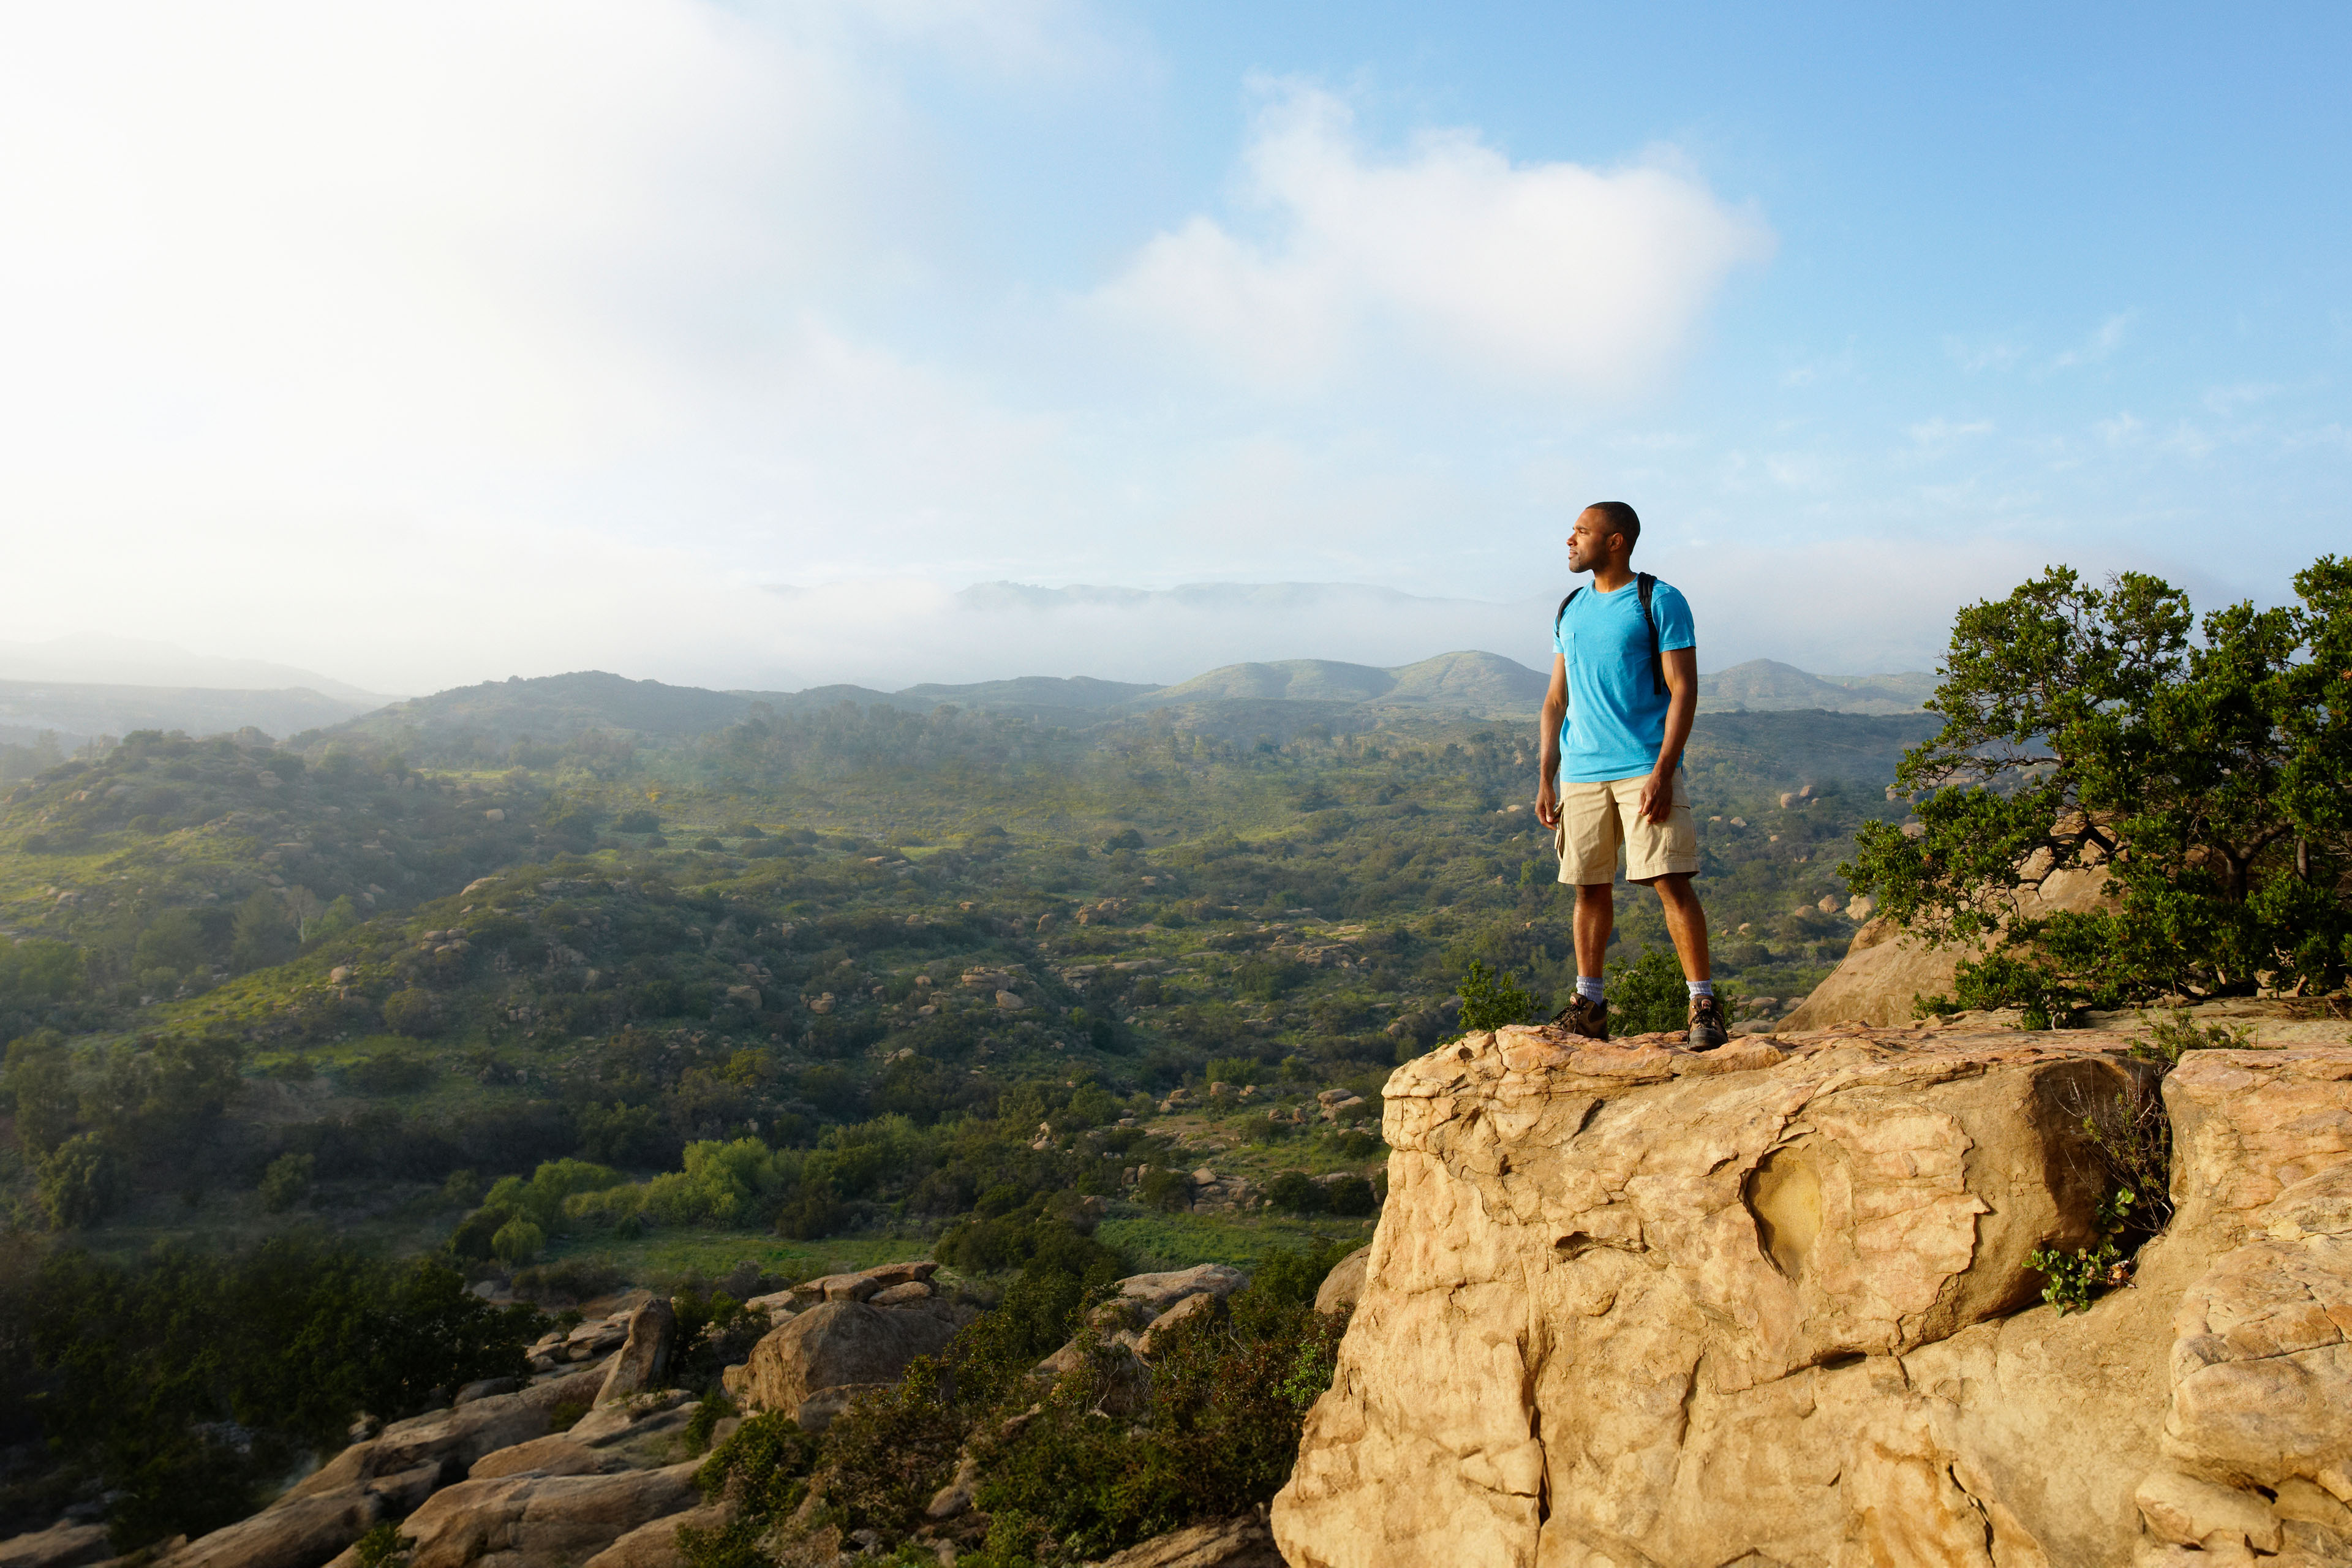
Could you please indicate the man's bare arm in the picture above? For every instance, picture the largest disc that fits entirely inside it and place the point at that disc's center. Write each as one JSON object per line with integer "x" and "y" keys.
{"x": 1682, "y": 705}
{"x": 1555, "y": 710}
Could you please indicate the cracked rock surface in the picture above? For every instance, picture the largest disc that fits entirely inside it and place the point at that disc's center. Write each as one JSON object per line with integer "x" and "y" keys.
{"x": 1630, "y": 1307}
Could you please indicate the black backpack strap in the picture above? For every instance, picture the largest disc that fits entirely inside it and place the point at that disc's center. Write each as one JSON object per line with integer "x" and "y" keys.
{"x": 1642, "y": 583}
{"x": 1563, "y": 611}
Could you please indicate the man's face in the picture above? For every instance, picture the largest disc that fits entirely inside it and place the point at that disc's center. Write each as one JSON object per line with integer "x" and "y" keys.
{"x": 1587, "y": 542}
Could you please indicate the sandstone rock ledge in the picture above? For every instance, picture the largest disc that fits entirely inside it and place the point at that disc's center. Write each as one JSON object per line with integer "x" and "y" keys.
{"x": 1632, "y": 1308}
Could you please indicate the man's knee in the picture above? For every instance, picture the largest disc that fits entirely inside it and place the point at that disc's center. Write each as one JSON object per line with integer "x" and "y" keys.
{"x": 1600, "y": 893}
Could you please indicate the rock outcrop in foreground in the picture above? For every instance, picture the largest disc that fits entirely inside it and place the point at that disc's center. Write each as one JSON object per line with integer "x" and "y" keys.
{"x": 1632, "y": 1307}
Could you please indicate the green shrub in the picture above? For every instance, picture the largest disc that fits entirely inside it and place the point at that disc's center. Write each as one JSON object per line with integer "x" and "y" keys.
{"x": 40, "y": 1085}
{"x": 389, "y": 1072}
{"x": 1267, "y": 979}
{"x": 80, "y": 1182}
{"x": 286, "y": 1181}
{"x": 762, "y": 1471}
{"x": 2072, "y": 1279}
{"x": 893, "y": 1448}
{"x": 1352, "y": 1195}
{"x": 1165, "y": 1189}
{"x": 637, "y": 821}
{"x": 2170, "y": 1038}
{"x": 411, "y": 1012}
{"x": 574, "y": 1280}
{"x": 1218, "y": 1436}
{"x": 714, "y": 1408}
{"x": 1647, "y": 995}
{"x": 383, "y": 1547}
{"x": 517, "y": 1241}
{"x": 1296, "y": 1191}
{"x": 1490, "y": 1000}
{"x": 140, "y": 1367}
{"x": 714, "y": 1330}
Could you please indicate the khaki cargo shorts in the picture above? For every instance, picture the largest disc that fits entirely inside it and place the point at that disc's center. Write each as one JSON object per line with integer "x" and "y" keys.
{"x": 1598, "y": 819}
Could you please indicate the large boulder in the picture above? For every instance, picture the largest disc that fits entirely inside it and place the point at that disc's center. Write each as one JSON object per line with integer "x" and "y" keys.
{"x": 1240, "y": 1543}
{"x": 1344, "y": 1286}
{"x": 1155, "y": 1293}
{"x": 533, "y": 1520}
{"x": 1633, "y": 1305}
{"x": 554, "y": 1455}
{"x": 382, "y": 1478}
{"x": 840, "y": 1342}
{"x": 644, "y": 1355}
{"x": 303, "y": 1529}
{"x": 655, "y": 1545}
{"x": 865, "y": 1284}
{"x": 1886, "y": 971}
{"x": 62, "y": 1545}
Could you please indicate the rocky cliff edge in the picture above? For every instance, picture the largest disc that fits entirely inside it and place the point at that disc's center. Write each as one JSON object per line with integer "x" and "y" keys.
{"x": 1630, "y": 1307}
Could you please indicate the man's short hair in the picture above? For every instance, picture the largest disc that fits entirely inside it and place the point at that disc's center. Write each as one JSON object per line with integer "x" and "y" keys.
{"x": 1621, "y": 518}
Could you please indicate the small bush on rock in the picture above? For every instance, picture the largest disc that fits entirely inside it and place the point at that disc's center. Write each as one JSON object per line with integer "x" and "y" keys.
{"x": 1490, "y": 1000}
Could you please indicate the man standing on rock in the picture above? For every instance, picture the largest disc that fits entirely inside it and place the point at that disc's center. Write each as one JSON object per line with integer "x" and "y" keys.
{"x": 1624, "y": 687}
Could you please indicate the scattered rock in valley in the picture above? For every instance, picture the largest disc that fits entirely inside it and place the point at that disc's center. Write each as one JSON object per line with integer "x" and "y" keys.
{"x": 1344, "y": 1286}
{"x": 644, "y": 1355}
{"x": 534, "y": 1520}
{"x": 846, "y": 1339}
{"x": 62, "y": 1545}
{"x": 1630, "y": 1307}
{"x": 1242, "y": 1543}
{"x": 382, "y": 1478}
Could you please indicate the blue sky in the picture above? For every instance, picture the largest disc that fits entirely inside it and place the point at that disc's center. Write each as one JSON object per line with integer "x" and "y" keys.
{"x": 431, "y": 343}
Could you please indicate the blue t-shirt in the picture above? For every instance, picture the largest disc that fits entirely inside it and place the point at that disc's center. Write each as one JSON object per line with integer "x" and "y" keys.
{"x": 1616, "y": 716}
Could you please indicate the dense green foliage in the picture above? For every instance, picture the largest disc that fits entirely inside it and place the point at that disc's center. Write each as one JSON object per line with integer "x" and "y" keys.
{"x": 2199, "y": 767}
{"x": 184, "y": 1385}
{"x": 1107, "y": 1455}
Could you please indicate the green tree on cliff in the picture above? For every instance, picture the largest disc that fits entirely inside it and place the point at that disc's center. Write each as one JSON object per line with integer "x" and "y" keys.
{"x": 2202, "y": 766}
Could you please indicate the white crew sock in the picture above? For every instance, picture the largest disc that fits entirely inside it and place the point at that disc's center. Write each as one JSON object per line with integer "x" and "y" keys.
{"x": 1700, "y": 988}
{"x": 1589, "y": 987}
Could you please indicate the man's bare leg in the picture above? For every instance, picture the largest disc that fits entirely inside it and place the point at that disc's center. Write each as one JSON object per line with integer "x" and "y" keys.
{"x": 1686, "y": 923}
{"x": 1596, "y": 916}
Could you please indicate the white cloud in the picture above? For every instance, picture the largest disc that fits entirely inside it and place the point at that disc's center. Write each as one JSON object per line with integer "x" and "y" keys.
{"x": 1587, "y": 280}
{"x": 2228, "y": 400}
{"x": 2095, "y": 348}
{"x": 1940, "y": 432}
{"x": 1996, "y": 354}
{"x": 281, "y": 253}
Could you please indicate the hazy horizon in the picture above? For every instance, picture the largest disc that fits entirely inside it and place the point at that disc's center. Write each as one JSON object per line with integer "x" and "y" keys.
{"x": 99, "y": 660}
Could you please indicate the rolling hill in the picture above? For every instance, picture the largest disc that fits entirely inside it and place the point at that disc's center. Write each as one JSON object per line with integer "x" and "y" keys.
{"x": 1768, "y": 686}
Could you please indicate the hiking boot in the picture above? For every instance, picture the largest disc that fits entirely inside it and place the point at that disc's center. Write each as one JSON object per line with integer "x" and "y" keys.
{"x": 1586, "y": 1018}
{"x": 1706, "y": 1030}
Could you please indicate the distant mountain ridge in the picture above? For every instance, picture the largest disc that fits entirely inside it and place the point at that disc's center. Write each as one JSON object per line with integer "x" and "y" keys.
{"x": 94, "y": 660}
{"x": 1467, "y": 682}
{"x": 78, "y": 712}
{"x": 1768, "y": 686}
{"x": 1280, "y": 696}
